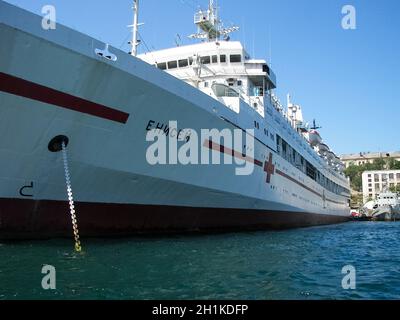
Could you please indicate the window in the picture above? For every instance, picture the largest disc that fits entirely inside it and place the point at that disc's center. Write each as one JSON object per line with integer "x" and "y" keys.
{"x": 266, "y": 69}
{"x": 214, "y": 59}
{"x": 172, "y": 65}
{"x": 221, "y": 90}
{"x": 391, "y": 176}
{"x": 183, "y": 63}
{"x": 205, "y": 60}
{"x": 376, "y": 177}
{"x": 236, "y": 58}
{"x": 222, "y": 58}
{"x": 398, "y": 176}
{"x": 190, "y": 61}
{"x": 239, "y": 83}
{"x": 162, "y": 66}
{"x": 231, "y": 82}
{"x": 206, "y": 84}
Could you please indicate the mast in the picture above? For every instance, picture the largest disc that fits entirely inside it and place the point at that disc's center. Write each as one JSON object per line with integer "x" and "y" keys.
{"x": 135, "y": 26}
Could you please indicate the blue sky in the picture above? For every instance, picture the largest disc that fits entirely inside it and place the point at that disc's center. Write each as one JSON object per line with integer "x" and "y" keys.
{"x": 347, "y": 79}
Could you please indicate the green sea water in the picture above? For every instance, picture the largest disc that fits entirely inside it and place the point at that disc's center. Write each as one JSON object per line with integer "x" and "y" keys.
{"x": 294, "y": 264}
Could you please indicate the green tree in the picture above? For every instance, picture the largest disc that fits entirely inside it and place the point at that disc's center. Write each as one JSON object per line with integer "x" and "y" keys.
{"x": 394, "y": 164}
{"x": 354, "y": 173}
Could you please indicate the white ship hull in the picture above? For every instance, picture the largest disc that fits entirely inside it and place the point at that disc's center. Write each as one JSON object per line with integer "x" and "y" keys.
{"x": 52, "y": 83}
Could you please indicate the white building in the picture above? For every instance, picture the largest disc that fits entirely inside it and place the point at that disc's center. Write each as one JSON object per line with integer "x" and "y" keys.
{"x": 374, "y": 182}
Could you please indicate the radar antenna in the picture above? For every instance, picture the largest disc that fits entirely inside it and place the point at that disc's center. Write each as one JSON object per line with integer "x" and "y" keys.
{"x": 314, "y": 126}
{"x": 209, "y": 25}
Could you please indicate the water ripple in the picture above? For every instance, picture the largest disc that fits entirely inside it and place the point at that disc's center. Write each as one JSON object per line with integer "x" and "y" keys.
{"x": 297, "y": 264}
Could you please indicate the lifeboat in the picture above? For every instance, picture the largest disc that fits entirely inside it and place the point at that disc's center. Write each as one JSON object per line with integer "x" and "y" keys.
{"x": 314, "y": 138}
{"x": 331, "y": 157}
{"x": 323, "y": 148}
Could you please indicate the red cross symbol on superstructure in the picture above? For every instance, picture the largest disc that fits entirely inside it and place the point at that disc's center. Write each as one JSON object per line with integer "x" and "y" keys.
{"x": 269, "y": 168}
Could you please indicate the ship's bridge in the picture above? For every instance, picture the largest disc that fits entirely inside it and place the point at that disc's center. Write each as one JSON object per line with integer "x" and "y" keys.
{"x": 220, "y": 64}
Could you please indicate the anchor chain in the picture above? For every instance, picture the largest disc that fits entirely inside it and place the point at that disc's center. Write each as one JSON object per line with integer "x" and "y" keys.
{"x": 78, "y": 247}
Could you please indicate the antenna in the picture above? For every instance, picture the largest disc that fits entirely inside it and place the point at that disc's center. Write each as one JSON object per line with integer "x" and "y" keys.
{"x": 135, "y": 28}
{"x": 178, "y": 40}
{"x": 315, "y": 127}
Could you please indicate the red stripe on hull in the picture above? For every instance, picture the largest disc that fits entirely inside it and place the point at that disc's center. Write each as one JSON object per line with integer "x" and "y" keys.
{"x": 29, "y": 219}
{"x": 34, "y": 91}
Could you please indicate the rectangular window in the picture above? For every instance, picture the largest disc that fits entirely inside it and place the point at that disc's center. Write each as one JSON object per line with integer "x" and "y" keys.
{"x": 214, "y": 59}
{"x": 222, "y": 58}
{"x": 236, "y": 58}
{"x": 266, "y": 69}
{"x": 398, "y": 176}
{"x": 162, "y": 66}
{"x": 183, "y": 63}
{"x": 172, "y": 65}
{"x": 205, "y": 60}
{"x": 391, "y": 176}
{"x": 190, "y": 61}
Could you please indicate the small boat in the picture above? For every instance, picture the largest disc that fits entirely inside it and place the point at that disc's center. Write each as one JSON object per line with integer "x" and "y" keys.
{"x": 387, "y": 207}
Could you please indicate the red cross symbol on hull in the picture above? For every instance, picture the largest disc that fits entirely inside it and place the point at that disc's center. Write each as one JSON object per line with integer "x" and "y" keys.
{"x": 269, "y": 168}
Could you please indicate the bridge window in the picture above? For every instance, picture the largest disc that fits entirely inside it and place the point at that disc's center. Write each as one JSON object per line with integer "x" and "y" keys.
{"x": 172, "y": 65}
{"x": 236, "y": 58}
{"x": 162, "y": 66}
{"x": 222, "y": 58}
{"x": 266, "y": 69}
{"x": 214, "y": 59}
{"x": 183, "y": 63}
{"x": 221, "y": 90}
{"x": 205, "y": 60}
